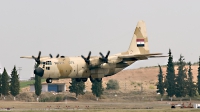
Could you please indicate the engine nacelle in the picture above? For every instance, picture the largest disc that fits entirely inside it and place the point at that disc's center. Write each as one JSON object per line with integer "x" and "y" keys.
{"x": 114, "y": 59}
{"x": 107, "y": 65}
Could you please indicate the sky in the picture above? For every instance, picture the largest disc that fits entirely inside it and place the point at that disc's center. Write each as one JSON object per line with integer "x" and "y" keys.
{"x": 75, "y": 27}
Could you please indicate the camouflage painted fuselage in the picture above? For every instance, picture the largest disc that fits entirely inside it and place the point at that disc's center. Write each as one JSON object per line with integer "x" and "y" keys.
{"x": 75, "y": 67}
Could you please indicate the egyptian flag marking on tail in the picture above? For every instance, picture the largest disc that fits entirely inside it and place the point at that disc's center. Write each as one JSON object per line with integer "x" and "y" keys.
{"x": 140, "y": 42}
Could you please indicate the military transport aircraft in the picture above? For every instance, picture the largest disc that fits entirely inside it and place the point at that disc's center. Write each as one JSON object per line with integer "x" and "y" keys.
{"x": 94, "y": 67}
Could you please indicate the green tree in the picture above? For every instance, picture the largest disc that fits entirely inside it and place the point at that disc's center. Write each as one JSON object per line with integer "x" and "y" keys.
{"x": 5, "y": 83}
{"x": 97, "y": 89}
{"x": 14, "y": 87}
{"x": 160, "y": 84}
{"x": 112, "y": 84}
{"x": 181, "y": 79}
{"x": 170, "y": 77}
{"x": 77, "y": 87}
{"x": 191, "y": 86}
{"x": 198, "y": 78}
{"x": 37, "y": 85}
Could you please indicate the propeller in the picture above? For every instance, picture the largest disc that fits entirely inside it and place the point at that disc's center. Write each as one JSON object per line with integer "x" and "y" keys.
{"x": 104, "y": 58}
{"x": 57, "y": 55}
{"x": 38, "y": 58}
{"x": 52, "y": 56}
{"x": 87, "y": 60}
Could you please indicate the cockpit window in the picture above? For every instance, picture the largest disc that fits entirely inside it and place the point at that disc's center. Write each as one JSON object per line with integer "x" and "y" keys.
{"x": 48, "y": 63}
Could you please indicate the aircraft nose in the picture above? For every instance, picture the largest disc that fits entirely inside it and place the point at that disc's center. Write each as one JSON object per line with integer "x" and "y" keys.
{"x": 39, "y": 71}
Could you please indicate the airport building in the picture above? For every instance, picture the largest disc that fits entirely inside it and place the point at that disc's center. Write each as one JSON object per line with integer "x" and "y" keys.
{"x": 50, "y": 87}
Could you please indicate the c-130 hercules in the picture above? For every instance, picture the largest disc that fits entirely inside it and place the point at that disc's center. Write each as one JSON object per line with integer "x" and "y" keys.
{"x": 94, "y": 67}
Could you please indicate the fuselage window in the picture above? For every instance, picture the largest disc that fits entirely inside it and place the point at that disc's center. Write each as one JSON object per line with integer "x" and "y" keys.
{"x": 47, "y": 68}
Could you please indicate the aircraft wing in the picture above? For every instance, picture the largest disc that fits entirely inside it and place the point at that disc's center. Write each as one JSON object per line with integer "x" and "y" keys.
{"x": 30, "y": 57}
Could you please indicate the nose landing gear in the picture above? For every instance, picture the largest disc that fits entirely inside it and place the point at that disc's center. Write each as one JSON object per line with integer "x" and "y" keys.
{"x": 49, "y": 80}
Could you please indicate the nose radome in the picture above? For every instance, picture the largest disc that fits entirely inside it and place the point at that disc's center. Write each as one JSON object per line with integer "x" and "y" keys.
{"x": 39, "y": 71}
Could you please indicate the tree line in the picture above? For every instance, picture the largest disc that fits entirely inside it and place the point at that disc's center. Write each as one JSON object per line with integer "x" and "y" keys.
{"x": 97, "y": 87}
{"x": 9, "y": 85}
{"x": 180, "y": 84}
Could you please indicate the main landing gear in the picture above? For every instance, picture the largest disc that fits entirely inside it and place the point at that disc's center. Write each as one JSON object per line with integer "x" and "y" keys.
{"x": 97, "y": 79}
{"x": 85, "y": 79}
{"x": 81, "y": 79}
{"x": 49, "y": 80}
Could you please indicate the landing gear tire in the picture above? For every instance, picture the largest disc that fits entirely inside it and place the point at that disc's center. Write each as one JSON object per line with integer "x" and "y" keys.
{"x": 49, "y": 80}
{"x": 98, "y": 79}
{"x": 78, "y": 79}
{"x": 92, "y": 79}
{"x": 84, "y": 79}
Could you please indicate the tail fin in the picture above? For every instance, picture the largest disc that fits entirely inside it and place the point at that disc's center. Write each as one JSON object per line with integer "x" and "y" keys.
{"x": 139, "y": 43}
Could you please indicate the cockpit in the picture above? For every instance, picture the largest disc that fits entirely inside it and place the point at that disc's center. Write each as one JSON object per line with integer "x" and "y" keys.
{"x": 46, "y": 63}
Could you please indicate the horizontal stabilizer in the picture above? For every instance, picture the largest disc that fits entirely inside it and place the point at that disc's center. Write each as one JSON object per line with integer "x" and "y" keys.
{"x": 157, "y": 56}
{"x": 139, "y": 55}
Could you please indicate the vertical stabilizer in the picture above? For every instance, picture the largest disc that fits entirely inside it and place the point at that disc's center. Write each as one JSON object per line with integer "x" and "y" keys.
{"x": 139, "y": 42}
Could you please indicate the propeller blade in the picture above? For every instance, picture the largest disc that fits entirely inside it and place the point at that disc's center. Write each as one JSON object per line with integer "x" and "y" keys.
{"x": 38, "y": 58}
{"x": 101, "y": 55}
{"x": 87, "y": 60}
{"x": 83, "y": 57}
{"x": 33, "y": 57}
{"x": 57, "y": 56}
{"x": 107, "y": 54}
{"x": 39, "y": 55}
{"x": 50, "y": 56}
{"x": 89, "y": 55}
